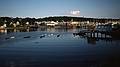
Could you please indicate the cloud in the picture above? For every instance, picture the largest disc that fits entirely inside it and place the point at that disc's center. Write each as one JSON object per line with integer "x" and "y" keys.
{"x": 75, "y": 12}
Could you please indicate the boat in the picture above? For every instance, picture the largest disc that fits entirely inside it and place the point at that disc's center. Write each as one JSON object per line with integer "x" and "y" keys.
{"x": 27, "y": 36}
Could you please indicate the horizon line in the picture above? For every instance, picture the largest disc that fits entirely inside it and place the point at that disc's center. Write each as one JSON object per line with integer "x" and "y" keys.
{"x": 59, "y": 16}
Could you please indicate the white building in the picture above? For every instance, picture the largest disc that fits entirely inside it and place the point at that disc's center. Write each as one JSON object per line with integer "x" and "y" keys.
{"x": 74, "y": 23}
{"x": 52, "y": 23}
{"x": 17, "y": 23}
{"x": 4, "y": 25}
{"x": 14, "y": 24}
{"x": 27, "y": 23}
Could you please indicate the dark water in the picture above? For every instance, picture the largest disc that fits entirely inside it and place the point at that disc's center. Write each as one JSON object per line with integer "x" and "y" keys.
{"x": 29, "y": 49}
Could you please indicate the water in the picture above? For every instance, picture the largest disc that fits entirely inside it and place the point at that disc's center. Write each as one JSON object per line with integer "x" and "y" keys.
{"x": 66, "y": 50}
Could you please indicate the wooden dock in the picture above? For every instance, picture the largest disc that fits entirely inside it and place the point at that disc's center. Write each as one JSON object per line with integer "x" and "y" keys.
{"x": 95, "y": 34}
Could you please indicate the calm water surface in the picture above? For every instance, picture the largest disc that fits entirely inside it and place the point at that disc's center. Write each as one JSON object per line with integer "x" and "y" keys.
{"x": 52, "y": 50}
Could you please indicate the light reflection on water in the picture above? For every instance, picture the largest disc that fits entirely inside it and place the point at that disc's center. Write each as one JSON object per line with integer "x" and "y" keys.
{"x": 50, "y": 50}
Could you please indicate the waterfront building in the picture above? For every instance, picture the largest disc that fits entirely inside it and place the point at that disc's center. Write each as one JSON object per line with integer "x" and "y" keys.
{"x": 27, "y": 23}
{"x": 17, "y": 23}
{"x": 1, "y": 27}
{"x": 11, "y": 23}
{"x": 75, "y": 23}
{"x": 14, "y": 25}
{"x": 4, "y": 25}
{"x": 52, "y": 23}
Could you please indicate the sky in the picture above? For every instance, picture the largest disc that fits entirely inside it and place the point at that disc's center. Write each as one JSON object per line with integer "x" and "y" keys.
{"x": 45, "y": 8}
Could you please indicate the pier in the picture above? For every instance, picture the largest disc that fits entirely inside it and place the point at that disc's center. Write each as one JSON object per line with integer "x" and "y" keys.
{"x": 95, "y": 34}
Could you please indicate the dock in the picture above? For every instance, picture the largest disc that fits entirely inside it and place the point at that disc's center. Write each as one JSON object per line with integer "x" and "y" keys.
{"x": 94, "y": 34}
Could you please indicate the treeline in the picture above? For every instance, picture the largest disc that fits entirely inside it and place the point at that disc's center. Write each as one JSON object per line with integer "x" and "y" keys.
{"x": 79, "y": 19}
{"x": 8, "y": 20}
{"x": 22, "y": 21}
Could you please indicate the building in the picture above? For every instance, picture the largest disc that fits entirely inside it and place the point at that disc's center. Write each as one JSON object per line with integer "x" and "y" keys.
{"x": 75, "y": 23}
{"x": 52, "y": 23}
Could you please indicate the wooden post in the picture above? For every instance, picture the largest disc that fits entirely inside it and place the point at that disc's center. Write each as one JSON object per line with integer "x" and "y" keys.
{"x": 90, "y": 34}
{"x": 93, "y": 34}
{"x": 97, "y": 34}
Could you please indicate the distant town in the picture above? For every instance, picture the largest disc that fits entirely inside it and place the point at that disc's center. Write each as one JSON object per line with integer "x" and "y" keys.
{"x": 60, "y": 22}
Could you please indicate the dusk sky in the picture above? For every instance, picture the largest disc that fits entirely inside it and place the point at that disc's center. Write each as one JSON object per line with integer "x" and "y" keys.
{"x": 43, "y": 8}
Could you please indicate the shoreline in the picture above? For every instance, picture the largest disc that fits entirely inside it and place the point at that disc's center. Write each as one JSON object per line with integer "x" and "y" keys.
{"x": 13, "y": 28}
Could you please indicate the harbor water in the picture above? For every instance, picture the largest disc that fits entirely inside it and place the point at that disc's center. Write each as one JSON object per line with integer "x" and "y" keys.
{"x": 56, "y": 48}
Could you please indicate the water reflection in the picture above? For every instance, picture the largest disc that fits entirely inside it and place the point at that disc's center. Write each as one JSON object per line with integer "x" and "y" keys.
{"x": 90, "y": 40}
{"x": 17, "y": 30}
{"x": 39, "y": 29}
{"x": 44, "y": 47}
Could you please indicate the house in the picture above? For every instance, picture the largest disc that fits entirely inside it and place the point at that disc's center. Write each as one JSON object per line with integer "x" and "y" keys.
{"x": 51, "y": 23}
{"x": 75, "y": 23}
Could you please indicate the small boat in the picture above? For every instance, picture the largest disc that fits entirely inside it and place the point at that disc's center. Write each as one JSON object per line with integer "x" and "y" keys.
{"x": 42, "y": 36}
{"x": 12, "y": 37}
{"x": 7, "y": 38}
{"x": 51, "y": 34}
{"x": 27, "y": 36}
{"x": 58, "y": 35}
